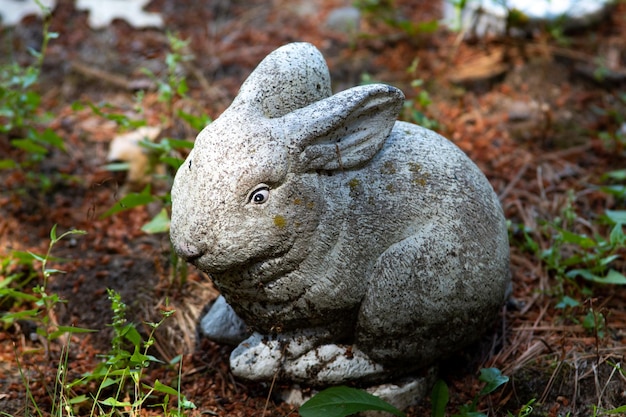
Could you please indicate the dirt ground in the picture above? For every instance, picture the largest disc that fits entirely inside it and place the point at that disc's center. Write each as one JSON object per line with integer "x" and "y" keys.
{"x": 530, "y": 111}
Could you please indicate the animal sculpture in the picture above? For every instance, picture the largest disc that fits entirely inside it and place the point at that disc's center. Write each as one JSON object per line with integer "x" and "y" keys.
{"x": 347, "y": 246}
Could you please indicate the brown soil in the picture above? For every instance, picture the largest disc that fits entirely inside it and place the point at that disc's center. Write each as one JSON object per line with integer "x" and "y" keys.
{"x": 529, "y": 111}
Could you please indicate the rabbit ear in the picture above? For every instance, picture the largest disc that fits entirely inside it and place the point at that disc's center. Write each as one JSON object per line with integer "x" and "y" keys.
{"x": 293, "y": 76}
{"x": 343, "y": 131}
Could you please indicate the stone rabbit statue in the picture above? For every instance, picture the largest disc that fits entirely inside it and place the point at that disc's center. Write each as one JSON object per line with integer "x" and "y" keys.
{"x": 346, "y": 246}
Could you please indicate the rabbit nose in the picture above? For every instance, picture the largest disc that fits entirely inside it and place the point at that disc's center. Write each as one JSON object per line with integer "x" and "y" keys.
{"x": 189, "y": 252}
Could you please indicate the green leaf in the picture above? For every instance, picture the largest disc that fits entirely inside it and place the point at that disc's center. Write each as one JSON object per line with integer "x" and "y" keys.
{"x": 617, "y": 235}
{"x": 618, "y": 410}
{"x": 19, "y": 295}
{"x": 428, "y": 26}
{"x": 439, "y": 397}
{"x": 151, "y": 358}
{"x": 196, "y": 122}
{"x": 583, "y": 241}
{"x": 30, "y": 77}
{"x": 49, "y": 136}
{"x": 186, "y": 404}
{"x": 343, "y": 401}
{"x": 37, "y": 257}
{"x": 617, "y": 216}
{"x": 494, "y": 379}
{"x": 29, "y": 146}
{"x": 117, "y": 166}
{"x": 8, "y": 164}
{"x": 182, "y": 88}
{"x": 159, "y": 223}
{"x": 180, "y": 143}
{"x": 567, "y": 301}
{"x": 608, "y": 260}
{"x": 124, "y": 372}
{"x": 130, "y": 201}
{"x": 115, "y": 403}
{"x": 612, "y": 277}
{"x": 53, "y": 233}
{"x": 132, "y": 335}
{"x": 172, "y": 161}
{"x": 72, "y": 329}
{"x": 616, "y": 190}
{"x": 77, "y": 105}
{"x": 78, "y": 399}
{"x": 108, "y": 382}
{"x": 176, "y": 359}
{"x": 619, "y": 175}
{"x": 166, "y": 389}
{"x": 24, "y": 314}
{"x": 138, "y": 358}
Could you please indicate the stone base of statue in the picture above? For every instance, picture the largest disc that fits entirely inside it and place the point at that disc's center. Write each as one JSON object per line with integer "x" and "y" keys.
{"x": 401, "y": 394}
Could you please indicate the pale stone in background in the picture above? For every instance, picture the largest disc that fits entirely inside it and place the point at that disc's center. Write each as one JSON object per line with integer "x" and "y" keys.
{"x": 489, "y": 16}
{"x": 13, "y": 11}
{"x": 101, "y": 12}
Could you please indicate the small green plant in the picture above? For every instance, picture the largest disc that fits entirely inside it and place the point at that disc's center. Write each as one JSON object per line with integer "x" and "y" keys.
{"x": 42, "y": 314}
{"x": 525, "y": 411}
{"x": 174, "y": 85}
{"x": 386, "y": 11}
{"x": 614, "y": 140}
{"x": 616, "y": 186}
{"x": 595, "y": 323}
{"x": 570, "y": 254}
{"x": 457, "y": 22}
{"x": 15, "y": 290}
{"x": 343, "y": 401}
{"x": 168, "y": 151}
{"x": 493, "y": 379}
{"x": 120, "y": 376}
{"x": 19, "y": 107}
{"x": 415, "y": 109}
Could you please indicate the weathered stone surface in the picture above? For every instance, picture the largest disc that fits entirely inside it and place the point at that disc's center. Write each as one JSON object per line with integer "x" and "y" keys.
{"x": 356, "y": 247}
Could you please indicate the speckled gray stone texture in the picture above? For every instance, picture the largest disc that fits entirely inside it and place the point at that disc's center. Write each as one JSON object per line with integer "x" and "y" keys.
{"x": 353, "y": 247}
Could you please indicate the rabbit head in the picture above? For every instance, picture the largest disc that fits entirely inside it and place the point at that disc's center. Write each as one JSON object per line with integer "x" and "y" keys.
{"x": 249, "y": 197}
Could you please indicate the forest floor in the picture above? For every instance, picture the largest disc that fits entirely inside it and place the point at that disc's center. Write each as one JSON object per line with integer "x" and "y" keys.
{"x": 542, "y": 115}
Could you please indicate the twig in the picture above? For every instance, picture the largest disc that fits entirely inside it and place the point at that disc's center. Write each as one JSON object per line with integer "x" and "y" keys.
{"x": 575, "y": 384}
{"x": 114, "y": 79}
{"x": 514, "y": 181}
{"x": 269, "y": 394}
{"x": 605, "y": 385}
{"x": 546, "y": 391}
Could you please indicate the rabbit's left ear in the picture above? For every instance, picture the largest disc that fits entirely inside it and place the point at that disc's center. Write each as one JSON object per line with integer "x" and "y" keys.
{"x": 342, "y": 131}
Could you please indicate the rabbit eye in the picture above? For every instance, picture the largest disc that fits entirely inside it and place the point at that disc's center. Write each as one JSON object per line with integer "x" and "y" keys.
{"x": 260, "y": 195}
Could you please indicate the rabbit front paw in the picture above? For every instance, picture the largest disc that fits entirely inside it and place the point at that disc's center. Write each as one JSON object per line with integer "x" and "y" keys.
{"x": 333, "y": 364}
{"x": 261, "y": 358}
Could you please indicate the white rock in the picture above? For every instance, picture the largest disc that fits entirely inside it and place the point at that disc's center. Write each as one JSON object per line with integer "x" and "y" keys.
{"x": 13, "y": 11}
{"x": 127, "y": 148}
{"x": 490, "y": 16}
{"x": 103, "y": 12}
{"x": 222, "y": 324}
{"x": 344, "y": 19}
